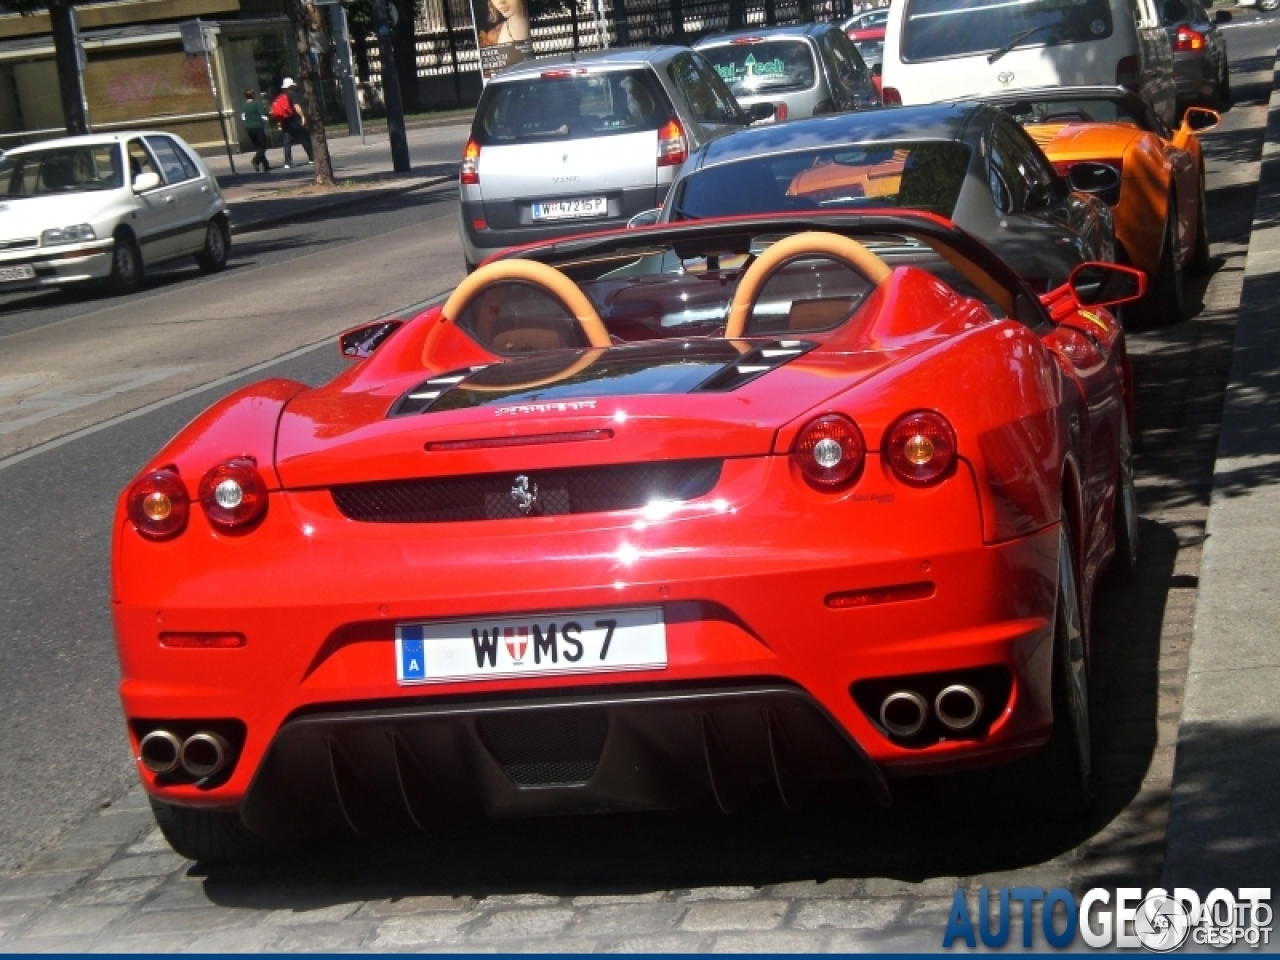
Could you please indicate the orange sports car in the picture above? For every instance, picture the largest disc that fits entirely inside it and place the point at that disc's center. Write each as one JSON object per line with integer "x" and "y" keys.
{"x": 1154, "y": 184}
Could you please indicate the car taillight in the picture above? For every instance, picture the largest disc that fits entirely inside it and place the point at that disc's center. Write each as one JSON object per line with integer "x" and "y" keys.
{"x": 673, "y": 149}
{"x": 780, "y": 112}
{"x": 920, "y": 447}
{"x": 1188, "y": 39}
{"x": 469, "y": 169}
{"x": 890, "y": 97}
{"x": 830, "y": 451}
{"x": 158, "y": 504}
{"x": 233, "y": 494}
{"x": 1127, "y": 74}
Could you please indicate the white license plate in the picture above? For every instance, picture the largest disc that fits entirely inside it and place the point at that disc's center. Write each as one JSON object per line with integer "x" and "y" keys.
{"x": 569, "y": 209}
{"x": 24, "y": 272}
{"x": 602, "y": 641}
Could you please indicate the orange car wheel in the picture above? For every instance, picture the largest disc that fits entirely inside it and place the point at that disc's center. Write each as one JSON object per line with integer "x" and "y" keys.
{"x": 1199, "y": 262}
{"x": 1163, "y": 303}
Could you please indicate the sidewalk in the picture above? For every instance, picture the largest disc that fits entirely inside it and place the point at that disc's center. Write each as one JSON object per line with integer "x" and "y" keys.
{"x": 1224, "y": 816}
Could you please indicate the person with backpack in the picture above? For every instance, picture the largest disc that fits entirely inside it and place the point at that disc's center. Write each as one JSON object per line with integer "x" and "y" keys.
{"x": 288, "y": 113}
{"x": 255, "y": 125}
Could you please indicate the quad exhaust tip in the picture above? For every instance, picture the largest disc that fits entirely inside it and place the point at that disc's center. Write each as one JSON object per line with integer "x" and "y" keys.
{"x": 160, "y": 752}
{"x": 958, "y": 707}
{"x": 903, "y": 713}
{"x": 204, "y": 754}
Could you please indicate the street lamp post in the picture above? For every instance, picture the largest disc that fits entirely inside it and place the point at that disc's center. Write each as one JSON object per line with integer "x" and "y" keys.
{"x": 383, "y": 27}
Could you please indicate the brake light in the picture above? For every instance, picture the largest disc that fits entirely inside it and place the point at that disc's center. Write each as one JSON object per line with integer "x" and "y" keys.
{"x": 233, "y": 494}
{"x": 558, "y": 74}
{"x": 921, "y": 447}
{"x": 890, "y": 97}
{"x": 741, "y": 40}
{"x": 1188, "y": 39}
{"x": 829, "y": 452}
{"x": 1127, "y": 74}
{"x": 158, "y": 504}
{"x": 780, "y": 112}
{"x": 673, "y": 149}
{"x": 469, "y": 169}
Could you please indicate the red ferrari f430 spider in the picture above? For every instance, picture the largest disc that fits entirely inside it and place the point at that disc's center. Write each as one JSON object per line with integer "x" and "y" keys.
{"x": 636, "y": 519}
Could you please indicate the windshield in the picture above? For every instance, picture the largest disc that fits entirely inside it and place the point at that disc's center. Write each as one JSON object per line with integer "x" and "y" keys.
{"x": 934, "y": 29}
{"x": 1073, "y": 111}
{"x": 548, "y": 108}
{"x": 766, "y": 66}
{"x": 61, "y": 170}
{"x": 921, "y": 176}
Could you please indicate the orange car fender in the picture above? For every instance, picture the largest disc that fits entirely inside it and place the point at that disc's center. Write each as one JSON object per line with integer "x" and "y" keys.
{"x": 1144, "y": 198}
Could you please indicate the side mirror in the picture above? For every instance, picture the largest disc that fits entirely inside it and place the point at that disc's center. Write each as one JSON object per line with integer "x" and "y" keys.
{"x": 1222, "y": 16}
{"x": 1106, "y": 284}
{"x": 1097, "y": 179}
{"x": 646, "y": 219}
{"x": 1200, "y": 119}
{"x": 360, "y": 342}
{"x": 760, "y": 111}
{"x": 145, "y": 181}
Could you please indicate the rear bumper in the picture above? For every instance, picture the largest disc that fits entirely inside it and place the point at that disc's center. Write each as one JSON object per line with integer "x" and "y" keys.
{"x": 1194, "y": 75}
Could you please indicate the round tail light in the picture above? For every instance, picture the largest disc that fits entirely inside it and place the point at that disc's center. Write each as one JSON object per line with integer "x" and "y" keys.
{"x": 158, "y": 504}
{"x": 830, "y": 451}
{"x": 921, "y": 447}
{"x": 233, "y": 494}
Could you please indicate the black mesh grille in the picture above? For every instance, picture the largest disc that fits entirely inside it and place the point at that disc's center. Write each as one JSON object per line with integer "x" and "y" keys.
{"x": 541, "y": 748}
{"x": 498, "y": 496}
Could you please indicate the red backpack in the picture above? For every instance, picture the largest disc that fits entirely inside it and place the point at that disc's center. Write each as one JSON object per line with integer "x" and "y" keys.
{"x": 281, "y": 108}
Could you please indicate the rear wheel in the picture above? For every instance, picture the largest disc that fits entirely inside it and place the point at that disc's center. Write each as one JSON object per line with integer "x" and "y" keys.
{"x": 1163, "y": 303}
{"x": 1224, "y": 86}
{"x": 210, "y": 836}
{"x": 1123, "y": 568}
{"x": 217, "y": 246}
{"x": 126, "y": 265}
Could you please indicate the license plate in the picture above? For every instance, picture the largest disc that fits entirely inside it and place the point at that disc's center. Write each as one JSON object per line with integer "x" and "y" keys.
{"x": 24, "y": 272}
{"x": 568, "y": 209}
{"x": 485, "y": 648}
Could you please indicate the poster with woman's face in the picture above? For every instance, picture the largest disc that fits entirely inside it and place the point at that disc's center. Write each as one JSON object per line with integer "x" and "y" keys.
{"x": 502, "y": 33}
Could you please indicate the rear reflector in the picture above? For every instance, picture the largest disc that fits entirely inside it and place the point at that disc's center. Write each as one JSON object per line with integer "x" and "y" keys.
{"x": 780, "y": 112}
{"x": 867, "y": 598}
{"x": 203, "y": 641}
{"x": 890, "y": 97}
{"x": 573, "y": 436}
{"x": 480, "y": 224}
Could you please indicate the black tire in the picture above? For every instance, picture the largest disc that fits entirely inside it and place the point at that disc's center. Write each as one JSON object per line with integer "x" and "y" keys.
{"x": 126, "y": 265}
{"x": 217, "y": 246}
{"x": 1061, "y": 774}
{"x": 1163, "y": 303}
{"x": 1199, "y": 262}
{"x": 1123, "y": 568}
{"x": 210, "y": 836}
{"x": 1224, "y": 87}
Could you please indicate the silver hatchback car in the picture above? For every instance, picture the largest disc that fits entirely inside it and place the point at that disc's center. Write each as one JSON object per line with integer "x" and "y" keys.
{"x": 802, "y": 70}
{"x": 585, "y": 142}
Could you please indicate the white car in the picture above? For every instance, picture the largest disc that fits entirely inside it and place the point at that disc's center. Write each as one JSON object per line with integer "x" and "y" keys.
{"x": 106, "y": 207}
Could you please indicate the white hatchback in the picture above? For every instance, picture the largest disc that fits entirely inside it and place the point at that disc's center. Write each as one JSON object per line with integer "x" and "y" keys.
{"x": 106, "y": 207}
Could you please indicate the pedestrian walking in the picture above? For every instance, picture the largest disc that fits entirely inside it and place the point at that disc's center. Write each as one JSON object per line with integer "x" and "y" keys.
{"x": 255, "y": 125}
{"x": 288, "y": 112}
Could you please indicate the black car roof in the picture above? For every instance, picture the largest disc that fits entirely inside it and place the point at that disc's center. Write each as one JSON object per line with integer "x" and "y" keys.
{"x": 934, "y": 121}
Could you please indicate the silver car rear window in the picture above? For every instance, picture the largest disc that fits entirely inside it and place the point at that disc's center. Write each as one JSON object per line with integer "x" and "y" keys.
{"x": 751, "y": 68}
{"x": 934, "y": 29}
{"x": 559, "y": 107}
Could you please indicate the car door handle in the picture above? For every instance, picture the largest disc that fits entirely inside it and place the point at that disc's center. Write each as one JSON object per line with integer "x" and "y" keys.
{"x": 168, "y": 199}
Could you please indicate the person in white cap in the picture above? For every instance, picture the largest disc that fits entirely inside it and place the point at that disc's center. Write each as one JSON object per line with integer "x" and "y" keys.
{"x": 288, "y": 113}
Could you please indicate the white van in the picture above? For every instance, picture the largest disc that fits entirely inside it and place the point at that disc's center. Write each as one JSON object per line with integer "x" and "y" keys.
{"x": 941, "y": 49}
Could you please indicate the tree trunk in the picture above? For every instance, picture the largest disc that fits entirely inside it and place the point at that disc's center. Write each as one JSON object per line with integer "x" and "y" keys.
{"x": 66, "y": 56}
{"x": 406, "y": 44}
{"x": 311, "y": 93}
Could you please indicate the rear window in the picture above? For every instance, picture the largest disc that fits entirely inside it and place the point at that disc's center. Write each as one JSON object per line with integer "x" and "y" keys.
{"x": 933, "y": 29}
{"x": 920, "y": 176}
{"x": 770, "y": 66}
{"x": 546, "y": 108}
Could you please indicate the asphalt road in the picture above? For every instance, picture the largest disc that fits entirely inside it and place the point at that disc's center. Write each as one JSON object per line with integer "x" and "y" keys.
{"x": 62, "y": 745}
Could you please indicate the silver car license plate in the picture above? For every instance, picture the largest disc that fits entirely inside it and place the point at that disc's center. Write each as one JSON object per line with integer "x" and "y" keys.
{"x": 23, "y": 272}
{"x": 571, "y": 209}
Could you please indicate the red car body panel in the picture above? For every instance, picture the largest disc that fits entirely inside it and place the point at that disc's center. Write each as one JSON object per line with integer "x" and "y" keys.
{"x": 745, "y": 575}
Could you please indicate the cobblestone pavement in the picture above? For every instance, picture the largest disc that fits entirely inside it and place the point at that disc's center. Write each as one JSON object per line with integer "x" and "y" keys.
{"x": 844, "y": 875}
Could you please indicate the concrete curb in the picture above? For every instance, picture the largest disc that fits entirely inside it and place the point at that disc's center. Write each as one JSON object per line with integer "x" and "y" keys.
{"x": 328, "y": 205}
{"x": 1224, "y": 813}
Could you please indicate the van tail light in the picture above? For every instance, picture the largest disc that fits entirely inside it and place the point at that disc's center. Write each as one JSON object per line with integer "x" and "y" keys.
{"x": 829, "y": 452}
{"x": 469, "y": 169}
{"x": 673, "y": 149}
{"x": 920, "y": 447}
{"x": 780, "y": 112}
{"x": 890, "y": 97}
{"x": 233, "y": 494}
{"x": 158, "y": 504}
{"x": 1188, "y": 39}
{"x": 1127, "y": 74}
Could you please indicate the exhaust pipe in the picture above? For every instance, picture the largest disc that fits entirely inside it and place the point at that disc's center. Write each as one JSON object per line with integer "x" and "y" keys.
{"x": 204, "y": 754}
{"x": 160, "y": 752}
{"x": 958, "y": 707}
{"x": 903, "y": 713}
